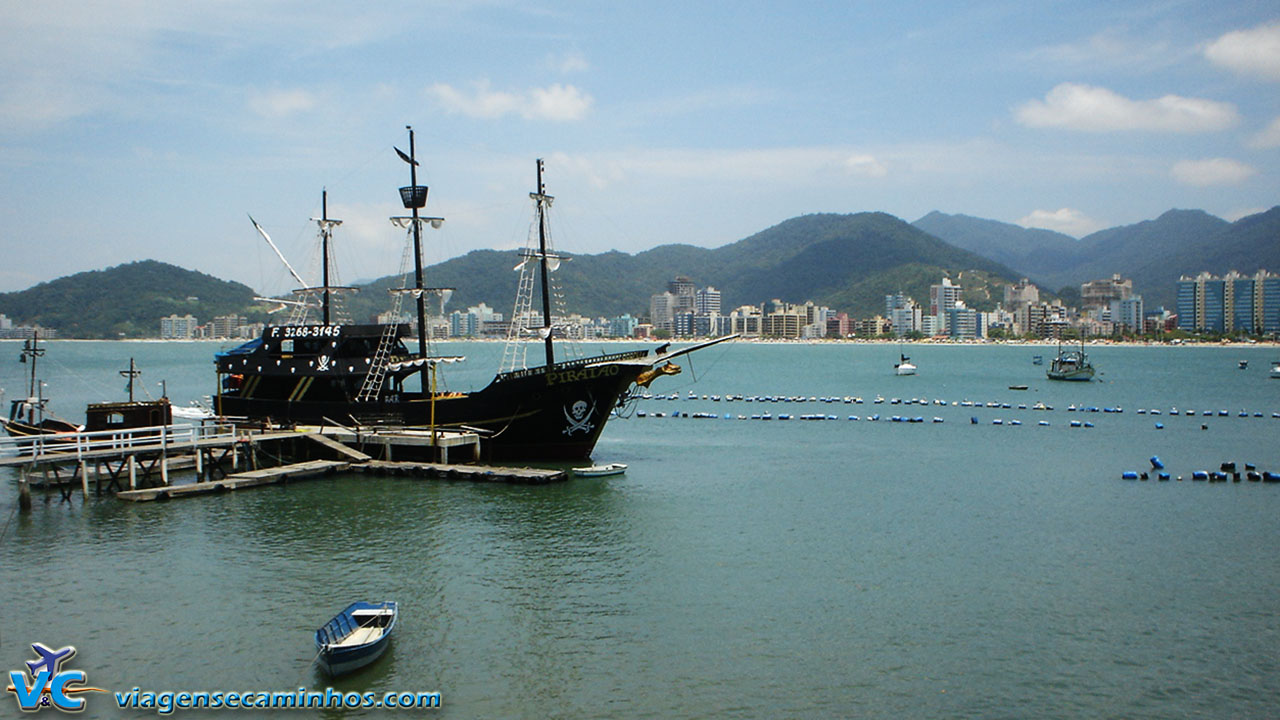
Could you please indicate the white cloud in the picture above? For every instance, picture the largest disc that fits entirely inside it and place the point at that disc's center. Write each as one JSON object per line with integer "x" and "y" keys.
{"x": 1212, "y": 171}
{"x": 865, "y": 165}
{"x": 37, "y": 104}
{"x": 1111, "y": 47}
{"x": 1252, "y": 52}
{"x": 1241, "y": 213}
{"x": 1268, "y": 138}
{"x": 281, "y": 103}
{"x": 568, "y": 62}
{"x": 483, "y": 103}
{"x": 60, "y": 65}
{"x": 706, "y": 100}
{"x": 1075, "y": 106}
{"x": 559, "y": 102}
{"x": 1064, "y": 220}
{"x": 781, "y": 166}
{"x": 556, "y": 102}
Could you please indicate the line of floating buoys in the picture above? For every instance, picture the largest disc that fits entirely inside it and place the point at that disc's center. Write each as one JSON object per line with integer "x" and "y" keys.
{"x": 1226, "y": 472}
{"x": 991, "y": 404}
{"x": 821, "y": 416}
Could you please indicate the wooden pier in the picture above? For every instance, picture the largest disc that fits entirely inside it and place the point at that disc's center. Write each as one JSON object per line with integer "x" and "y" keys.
{"x": 136, "y": 464}
{"x": 475, "y": 473}
{"x": 411, "y": 442}
{"x": 252, "y": 478}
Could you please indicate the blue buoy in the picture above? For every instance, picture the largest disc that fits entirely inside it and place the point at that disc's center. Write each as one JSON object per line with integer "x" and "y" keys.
{"x": 1155, "y": 462}
{"x": 1129, "y": 475}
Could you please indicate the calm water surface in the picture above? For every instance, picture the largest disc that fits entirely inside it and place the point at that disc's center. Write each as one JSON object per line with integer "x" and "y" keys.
{"x": 739, "y": 568}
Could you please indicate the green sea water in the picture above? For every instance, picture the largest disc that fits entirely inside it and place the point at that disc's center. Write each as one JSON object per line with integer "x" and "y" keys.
{"x": 740, "y": 568}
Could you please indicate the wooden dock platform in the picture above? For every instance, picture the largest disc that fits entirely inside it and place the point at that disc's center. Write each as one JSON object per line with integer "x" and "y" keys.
{"x": 417, "y": 443}
{"x": 475, "y": 473}
{"x": 251, "y": 478}
{"x": 322, "y": 468}
{"x": 125, "y": 461}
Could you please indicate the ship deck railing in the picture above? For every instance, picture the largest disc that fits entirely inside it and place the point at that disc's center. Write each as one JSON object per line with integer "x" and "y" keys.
{"x": 580, "y": 362}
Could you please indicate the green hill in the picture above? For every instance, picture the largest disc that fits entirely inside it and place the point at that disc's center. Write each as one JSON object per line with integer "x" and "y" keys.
{"x": 125, "y": 300}
{"x": 848, "y": 262}
{"x": 843, "y": 261}
{"x": 1032, "y": 251}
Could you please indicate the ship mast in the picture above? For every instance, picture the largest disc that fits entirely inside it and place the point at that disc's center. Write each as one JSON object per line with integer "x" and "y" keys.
{"x": 31, "y": 349}
{"x": 326, "y": 231}
{"x": 414, "y": 198}
{"x": 543, "y": 200}
{"x": 417, "y": 249}
{"x": 327, "y": 289}
{"x": 130, "y": 374}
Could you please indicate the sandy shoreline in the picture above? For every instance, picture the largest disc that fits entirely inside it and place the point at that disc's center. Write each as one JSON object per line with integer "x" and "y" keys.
{"x": 1095, "y": 342}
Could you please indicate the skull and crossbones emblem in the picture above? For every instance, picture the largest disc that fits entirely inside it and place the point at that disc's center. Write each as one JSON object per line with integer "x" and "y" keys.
{"x": 579, "y": 417}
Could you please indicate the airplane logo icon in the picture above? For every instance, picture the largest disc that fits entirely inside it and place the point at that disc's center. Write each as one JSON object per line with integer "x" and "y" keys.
{"x": 50, "y": 660}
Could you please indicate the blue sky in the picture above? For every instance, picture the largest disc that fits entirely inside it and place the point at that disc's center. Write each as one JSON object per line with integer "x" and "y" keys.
{"x": 149, "y": 129}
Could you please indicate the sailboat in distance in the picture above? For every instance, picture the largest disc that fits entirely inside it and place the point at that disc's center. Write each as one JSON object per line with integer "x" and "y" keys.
{"x": 353, "y": 374}
{"x": 904, "y": 366}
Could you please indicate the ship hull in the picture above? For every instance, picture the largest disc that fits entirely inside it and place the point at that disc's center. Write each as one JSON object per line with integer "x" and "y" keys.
{"x": 1071, "y": 375}
{"x": 536, "y": 415}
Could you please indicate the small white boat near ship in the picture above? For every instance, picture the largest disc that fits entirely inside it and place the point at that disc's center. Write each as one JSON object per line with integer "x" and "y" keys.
{"x": 1275, "y": 371}
{"x": 600, "y": 470}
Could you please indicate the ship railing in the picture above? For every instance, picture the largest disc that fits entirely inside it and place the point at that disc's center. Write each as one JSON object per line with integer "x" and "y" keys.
{"x": 77, "y": 445}
{"x": 581, "y": 362}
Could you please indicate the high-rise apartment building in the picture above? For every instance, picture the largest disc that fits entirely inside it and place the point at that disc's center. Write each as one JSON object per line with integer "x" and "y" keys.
{"x": 1100, "y": 293}
{"x": 707, "y": 301}
{"x": 1234, "y": 303}
{"x": 178, "y": 327}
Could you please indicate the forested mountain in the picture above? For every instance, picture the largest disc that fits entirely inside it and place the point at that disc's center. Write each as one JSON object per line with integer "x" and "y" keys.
{"x": 1152, "y": 253}
{"x": 1247, "y": 245}
{"x": 1031, "y": 251}
{"x": 848, "y": 262}
{"x": 125, "y": 300}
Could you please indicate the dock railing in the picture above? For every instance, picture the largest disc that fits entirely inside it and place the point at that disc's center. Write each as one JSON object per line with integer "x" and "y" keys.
{"x": 69, "y": 446}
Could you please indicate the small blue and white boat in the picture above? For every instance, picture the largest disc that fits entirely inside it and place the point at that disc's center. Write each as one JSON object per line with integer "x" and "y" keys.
{"x": 602, "y": 470}
{"x": 356, "y": 636}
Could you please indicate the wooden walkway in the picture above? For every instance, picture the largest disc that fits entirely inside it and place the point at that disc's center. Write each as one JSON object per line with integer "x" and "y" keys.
{"x": 481, "y": 473}
{"x": 323, "y": 468}
{"x": 238, "y": 481}
{"x": 114, "y": 461}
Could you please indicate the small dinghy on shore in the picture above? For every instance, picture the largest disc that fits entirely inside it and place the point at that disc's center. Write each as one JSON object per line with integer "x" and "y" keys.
{"x": 356, "y": 636}
{"x": 600, "y": 470}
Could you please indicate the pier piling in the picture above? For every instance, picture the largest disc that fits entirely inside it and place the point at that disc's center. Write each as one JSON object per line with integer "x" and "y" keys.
{"x": 24, "y": 493}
